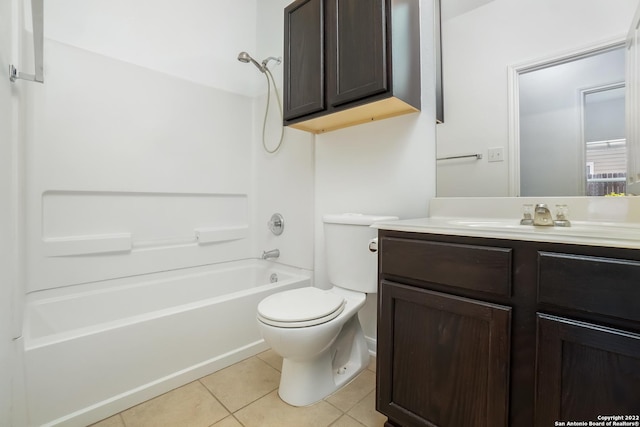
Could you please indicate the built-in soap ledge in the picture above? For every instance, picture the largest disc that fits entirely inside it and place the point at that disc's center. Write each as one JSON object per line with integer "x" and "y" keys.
{"x": 123, "y": 242}
{"x": 221, "y": 234}
{"x": 87, "y": 244}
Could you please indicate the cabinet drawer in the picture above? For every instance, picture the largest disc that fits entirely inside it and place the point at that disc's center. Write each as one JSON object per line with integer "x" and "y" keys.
{"x": 473, "y": 267}
{"x": 598, "y": 285}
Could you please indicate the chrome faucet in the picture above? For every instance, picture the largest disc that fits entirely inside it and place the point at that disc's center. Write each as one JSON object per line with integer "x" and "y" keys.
{"x": 273, "y": 253}
{"x": 542, "y": 215}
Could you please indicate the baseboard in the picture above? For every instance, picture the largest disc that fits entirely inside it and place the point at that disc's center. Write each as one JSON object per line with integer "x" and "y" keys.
{"x": 372, "y": 345}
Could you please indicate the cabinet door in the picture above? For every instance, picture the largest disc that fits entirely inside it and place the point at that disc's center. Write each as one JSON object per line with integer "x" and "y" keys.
{"x": 443, "y": 360}
{"x": 357, "y": 49}
{"x": 304, "y": 75}
{"x": 585, "y": 370}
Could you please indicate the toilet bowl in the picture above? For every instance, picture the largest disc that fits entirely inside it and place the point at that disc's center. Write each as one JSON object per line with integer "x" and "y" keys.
{"x": 317, "y": 331}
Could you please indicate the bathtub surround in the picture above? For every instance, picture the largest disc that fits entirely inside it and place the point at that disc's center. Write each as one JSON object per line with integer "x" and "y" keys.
{"x": 157, "y": 178}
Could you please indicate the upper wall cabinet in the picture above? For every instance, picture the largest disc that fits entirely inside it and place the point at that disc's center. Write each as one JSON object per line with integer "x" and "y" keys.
{"x": 350, "y": 61}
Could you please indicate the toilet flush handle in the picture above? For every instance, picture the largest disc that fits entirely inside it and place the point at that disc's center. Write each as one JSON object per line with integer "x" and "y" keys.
{"x": 373, "y": 245}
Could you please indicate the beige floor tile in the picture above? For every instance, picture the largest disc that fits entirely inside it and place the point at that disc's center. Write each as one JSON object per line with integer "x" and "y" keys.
{"x": 271, "y": 411}
{"x": 230, "y": 421}
{"x": 346, "y": 398}
{"x": 365, "y": 412}
{"x": 242, "y": 383}
{"x": 190, "y": 405}
{"x": 115, "y": 421}
{"x": 346, "y": 421}
{"x": 272, "y": 358}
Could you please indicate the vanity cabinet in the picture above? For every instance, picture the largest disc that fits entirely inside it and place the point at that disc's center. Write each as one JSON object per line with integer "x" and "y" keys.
{"x": 585, "y": 370}
{"x": 465, "y": 379}
{"x": 348, "y": 62}
{"x": 496, "y": 332}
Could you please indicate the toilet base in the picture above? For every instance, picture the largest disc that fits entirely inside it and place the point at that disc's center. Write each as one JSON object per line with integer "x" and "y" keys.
{"x": 305, "y": 382}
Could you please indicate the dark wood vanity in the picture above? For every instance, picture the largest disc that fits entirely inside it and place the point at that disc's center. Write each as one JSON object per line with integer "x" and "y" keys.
{"x": 489, "y": 332}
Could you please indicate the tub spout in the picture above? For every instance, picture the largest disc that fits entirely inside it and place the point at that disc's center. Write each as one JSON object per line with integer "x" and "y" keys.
{"x": 274, "y": 253}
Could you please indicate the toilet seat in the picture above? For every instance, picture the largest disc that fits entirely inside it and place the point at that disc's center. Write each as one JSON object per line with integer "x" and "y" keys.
{"x": 299, "y": 308}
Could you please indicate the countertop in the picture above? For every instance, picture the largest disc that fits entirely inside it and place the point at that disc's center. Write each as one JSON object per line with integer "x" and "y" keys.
{"x": 609, "y": 222}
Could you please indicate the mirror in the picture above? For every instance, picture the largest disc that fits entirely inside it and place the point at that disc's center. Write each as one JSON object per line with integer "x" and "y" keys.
{"x": 485, "y": 45}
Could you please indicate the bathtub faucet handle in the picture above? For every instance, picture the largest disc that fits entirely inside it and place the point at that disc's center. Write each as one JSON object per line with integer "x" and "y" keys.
{"x": 276, "y": 224}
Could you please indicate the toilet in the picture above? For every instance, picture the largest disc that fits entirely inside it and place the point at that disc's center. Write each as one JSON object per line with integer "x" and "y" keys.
{"x": 317, "y": 331}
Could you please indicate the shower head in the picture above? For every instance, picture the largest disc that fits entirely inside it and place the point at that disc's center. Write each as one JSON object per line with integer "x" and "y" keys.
{"x": 246, "y": 58}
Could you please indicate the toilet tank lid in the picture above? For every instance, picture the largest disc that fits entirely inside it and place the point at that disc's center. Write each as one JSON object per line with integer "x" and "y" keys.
{"x": 355, "y": 218}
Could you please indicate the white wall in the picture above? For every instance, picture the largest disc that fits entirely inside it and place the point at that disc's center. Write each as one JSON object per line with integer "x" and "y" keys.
{"x": 477, "y": 48}
{"x": 196, "y": 40}
{"x": 384, "y": 167}
{"x": 283, "y": 180}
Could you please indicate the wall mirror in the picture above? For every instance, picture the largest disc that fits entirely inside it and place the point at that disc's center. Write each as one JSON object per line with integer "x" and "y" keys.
{"x": 520, "y": 118}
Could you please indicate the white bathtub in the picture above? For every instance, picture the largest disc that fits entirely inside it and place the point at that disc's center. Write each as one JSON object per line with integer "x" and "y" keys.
{"x": 94, "y": 350}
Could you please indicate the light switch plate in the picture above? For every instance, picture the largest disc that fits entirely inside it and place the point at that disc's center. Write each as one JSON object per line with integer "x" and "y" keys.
{"x": 496, "y": 154}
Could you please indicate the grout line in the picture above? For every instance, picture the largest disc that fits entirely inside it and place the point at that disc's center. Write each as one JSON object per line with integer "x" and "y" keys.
{"x": 228, "y": 416}
{"x": 214, "y": 396}
{"x": 331, "y": 404}
{"x": 253, "y": 401}
{"x": 352, "y": 419}
{"x": 239, "y": 422}
{"x": 232, "y": 414}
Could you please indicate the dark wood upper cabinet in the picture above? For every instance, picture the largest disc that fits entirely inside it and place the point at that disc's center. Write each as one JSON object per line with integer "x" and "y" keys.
{"x": 304, "y": 59}
{"x": 357, "y": 42}
{"x": 350, "y": 61}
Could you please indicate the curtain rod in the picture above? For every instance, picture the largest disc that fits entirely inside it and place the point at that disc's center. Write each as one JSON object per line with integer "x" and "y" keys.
{"x": 478, "y": 156}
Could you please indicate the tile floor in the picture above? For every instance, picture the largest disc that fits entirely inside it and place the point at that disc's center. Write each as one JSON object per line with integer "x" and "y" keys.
{"x": 246, "y": 394}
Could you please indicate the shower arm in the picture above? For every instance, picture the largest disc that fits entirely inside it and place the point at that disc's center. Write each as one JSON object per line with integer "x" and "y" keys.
{"x": 271, "y": 58}
{"x": 37, "y": 18}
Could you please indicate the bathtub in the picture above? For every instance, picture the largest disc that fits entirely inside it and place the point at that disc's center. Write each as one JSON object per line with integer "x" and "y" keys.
{"x": 93, "y": 350}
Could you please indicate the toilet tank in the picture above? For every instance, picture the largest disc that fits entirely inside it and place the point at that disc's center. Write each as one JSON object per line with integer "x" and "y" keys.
{"x": 350, "y": 263}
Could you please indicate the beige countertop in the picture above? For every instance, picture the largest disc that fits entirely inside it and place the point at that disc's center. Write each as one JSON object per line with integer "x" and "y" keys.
{"x": 604, "y": 221}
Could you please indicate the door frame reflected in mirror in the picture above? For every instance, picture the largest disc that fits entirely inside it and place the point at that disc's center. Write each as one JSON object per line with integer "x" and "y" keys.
{"x": 513, "y": 74}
